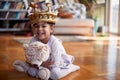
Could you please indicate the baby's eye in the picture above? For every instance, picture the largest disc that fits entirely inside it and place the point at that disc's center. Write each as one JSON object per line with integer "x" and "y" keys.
{"x": 43, "y": 26}
{"x": 35, "y": 25}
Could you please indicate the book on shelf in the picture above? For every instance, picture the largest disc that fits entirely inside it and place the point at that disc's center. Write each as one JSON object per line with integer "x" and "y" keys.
{"x": 16, "y": 15}
{"x": 19, "y": 25}
{"x": 11, "y": 15}
{"x": 2, "y": 4}
{"x": 6, "y": 5}
{"x": 3, "y": 14}
{"x": 12, "y": 5}
{"x": 19, "y": 5}
{"x": 22, "y": 15}
{"x": 15, "y": 25}
{"x": 27, "y": 25}
{"x": 22, "y": 25}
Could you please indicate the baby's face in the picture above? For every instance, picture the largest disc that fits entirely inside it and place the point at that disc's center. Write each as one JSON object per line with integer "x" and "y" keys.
{"x": 42, "y": 30}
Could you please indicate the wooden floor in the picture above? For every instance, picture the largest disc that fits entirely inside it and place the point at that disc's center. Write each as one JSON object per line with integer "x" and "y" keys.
{"x": 98, "y": 59}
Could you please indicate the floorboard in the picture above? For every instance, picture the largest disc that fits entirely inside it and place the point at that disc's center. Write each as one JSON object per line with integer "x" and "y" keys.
{"x": 98, "y": 59}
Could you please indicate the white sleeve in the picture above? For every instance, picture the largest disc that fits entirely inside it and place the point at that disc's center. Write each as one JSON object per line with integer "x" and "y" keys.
{"x": 57, "y": 50}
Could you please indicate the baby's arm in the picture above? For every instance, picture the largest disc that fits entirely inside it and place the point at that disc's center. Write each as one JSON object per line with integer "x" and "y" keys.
{"x": 47, "y": 64}
{"x": 56, "y": 53}
{"x": 62, "y": 62}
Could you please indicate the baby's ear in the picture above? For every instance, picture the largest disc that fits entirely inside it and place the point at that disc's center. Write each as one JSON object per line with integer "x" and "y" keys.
{"x": 25, "y": 46}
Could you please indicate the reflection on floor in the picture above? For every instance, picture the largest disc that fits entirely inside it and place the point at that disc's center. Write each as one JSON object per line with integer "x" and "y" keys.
{"x": 99, "y": 59}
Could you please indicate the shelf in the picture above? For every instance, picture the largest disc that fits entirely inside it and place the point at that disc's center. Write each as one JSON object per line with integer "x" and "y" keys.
{"x": 12, "y": 19}
{"x": 13, "y": 10}
{"x": 6, "y": 30}
{"x": 10, "y": 0}
{"x": 13, "y": 16}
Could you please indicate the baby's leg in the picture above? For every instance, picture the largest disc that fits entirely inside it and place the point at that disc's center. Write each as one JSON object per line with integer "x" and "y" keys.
{"x": 57, "y": 73}
{"x": 20, "y": 66}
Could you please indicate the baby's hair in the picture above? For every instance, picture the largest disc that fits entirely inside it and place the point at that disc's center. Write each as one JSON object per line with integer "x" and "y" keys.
{"x": 51, "y": 24}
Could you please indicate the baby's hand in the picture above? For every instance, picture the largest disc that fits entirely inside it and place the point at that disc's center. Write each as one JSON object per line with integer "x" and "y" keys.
{"x": 33, "y": 65}
{"x": 48, "y": 64}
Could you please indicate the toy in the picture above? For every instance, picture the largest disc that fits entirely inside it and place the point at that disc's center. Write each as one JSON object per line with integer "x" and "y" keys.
{"x": 35, "y": 54}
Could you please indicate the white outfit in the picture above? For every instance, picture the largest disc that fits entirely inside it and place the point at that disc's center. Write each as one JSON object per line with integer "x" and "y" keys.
{"x": 62, "y": 61}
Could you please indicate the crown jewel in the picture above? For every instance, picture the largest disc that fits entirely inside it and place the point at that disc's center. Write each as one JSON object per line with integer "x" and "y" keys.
{"x": 48, "y": 14}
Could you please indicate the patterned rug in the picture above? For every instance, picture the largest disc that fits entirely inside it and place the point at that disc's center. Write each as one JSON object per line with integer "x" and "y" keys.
{"x": 71, "y": 38}
{"x": 63, "y": 38}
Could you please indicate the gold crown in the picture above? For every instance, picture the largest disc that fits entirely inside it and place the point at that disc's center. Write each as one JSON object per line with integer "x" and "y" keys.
{"x": 48, "y": 15}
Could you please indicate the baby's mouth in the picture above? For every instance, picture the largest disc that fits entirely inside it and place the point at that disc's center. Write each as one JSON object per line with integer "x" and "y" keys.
{"x": 40, "y": 33}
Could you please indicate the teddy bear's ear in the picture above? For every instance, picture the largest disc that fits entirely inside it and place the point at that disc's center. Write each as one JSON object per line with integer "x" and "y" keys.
{"x": 25, "y": 46}
{"x": 45, "y": 47}
{"x": 39, "y": 48}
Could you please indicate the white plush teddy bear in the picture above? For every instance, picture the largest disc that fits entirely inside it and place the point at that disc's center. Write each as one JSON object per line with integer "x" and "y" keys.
{"x": 35, "y": 54}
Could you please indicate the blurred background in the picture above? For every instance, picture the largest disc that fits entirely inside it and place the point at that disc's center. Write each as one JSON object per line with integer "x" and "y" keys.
{"x": 78, "y": 17}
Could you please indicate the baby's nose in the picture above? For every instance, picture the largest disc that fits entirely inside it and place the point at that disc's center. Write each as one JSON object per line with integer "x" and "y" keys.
{"x": 40, "y": 28}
